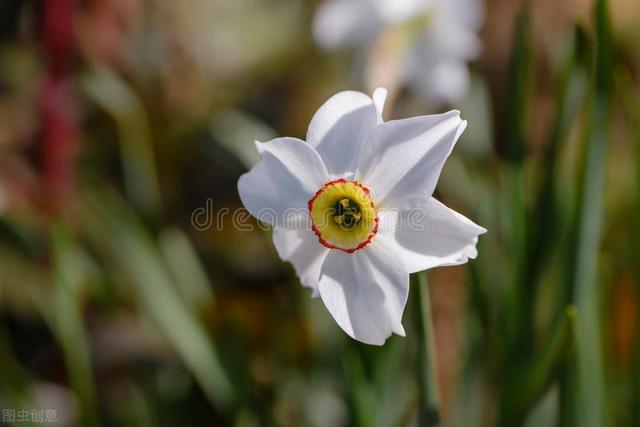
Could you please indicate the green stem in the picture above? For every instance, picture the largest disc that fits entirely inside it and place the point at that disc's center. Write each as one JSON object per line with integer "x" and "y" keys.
{"x": 428, "y": 414}
{"x": 590, "y": 410}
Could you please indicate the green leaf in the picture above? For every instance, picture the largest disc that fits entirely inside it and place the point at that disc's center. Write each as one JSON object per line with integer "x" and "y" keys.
{"x": 591, "y": 384}
{"x": 512, "y": 144}
{"x": 134, "y": 253}
{"x": 114, "y": 96}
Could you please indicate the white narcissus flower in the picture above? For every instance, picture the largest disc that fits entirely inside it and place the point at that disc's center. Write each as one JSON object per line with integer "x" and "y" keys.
{"x": 352, "y": 208}
{"x": 436, "y": 63}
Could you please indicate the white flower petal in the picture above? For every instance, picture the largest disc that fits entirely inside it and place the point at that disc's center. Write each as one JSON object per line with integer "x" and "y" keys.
{"x": 379, "y": 98}
{"x": 393, "y": 12}
{"x": 338, "y": 23}
{"x": 430, "y": 236}
{"x": 402, "y": 159}
{"x": 303, "y": 250}
{"x": 339, "y": 128}
{"x": 277, "y": 188}
{"x": 366, "y": 291}
{"x": 464, "y": 14}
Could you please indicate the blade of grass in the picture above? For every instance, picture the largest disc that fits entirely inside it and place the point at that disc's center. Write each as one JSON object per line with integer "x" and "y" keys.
{"x": 114, "y": 96}
{"x": 539, "y": 372}
{"x": 568, "y": 379}
{"x": 66, "y": 320}
{"x": 544, "y": 217}
{"x": 512, "y": 145}
{"x": 187, "y": 273}
{"x": 134, "y": 253}
{"x": 589, "y": 363}
{"x": 428, "y": 407}
{"x": 531, "y": 376}
{"x": 381, "y": 395}
{"x": 360, "y": 394}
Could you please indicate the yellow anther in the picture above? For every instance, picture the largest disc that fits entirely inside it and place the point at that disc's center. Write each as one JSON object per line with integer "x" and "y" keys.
{"x": 339, "y": 219}
{"x": 344, "y": 203}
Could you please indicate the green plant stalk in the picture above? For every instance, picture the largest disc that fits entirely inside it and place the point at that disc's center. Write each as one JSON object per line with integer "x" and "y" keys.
{"x": 65, "y": 317}
{"x": 538, "y": 373}
{"x": 568, "y": 383}
{"x": 512, "y": 145}
{"x": 429, "y": 397}
{"x": 586, "y": 294}
{"x": 361, "y": 398}
{"x": 525, "y": 386}
{"x": 517, "y": 331}
{"x": 590, "y": 369}
{"x": 518, "y": 336}
{"x": 544, "y": 219}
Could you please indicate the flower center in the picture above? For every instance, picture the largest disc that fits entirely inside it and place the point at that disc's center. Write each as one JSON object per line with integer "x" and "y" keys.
{"x": 346, "y": 213}
{"x": 343, "y": 215}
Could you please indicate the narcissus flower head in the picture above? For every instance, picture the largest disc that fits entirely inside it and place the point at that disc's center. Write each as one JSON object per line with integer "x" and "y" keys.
{"x": 352, "y": 208}
{"x": 444, "y": 38}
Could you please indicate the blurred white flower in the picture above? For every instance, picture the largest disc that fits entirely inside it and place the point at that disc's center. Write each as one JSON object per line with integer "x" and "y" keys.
{"x": 436, "y": 60}
{"x": 364, "y": 188}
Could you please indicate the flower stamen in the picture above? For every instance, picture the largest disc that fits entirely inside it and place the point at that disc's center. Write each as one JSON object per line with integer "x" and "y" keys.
{"x": 347, "y": 214}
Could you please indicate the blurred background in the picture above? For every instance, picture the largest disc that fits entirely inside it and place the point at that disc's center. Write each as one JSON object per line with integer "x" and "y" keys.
{"x": 129, "y": 298}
